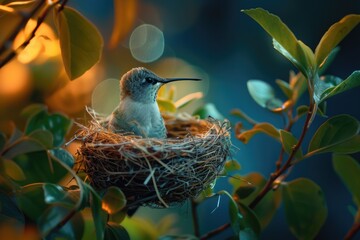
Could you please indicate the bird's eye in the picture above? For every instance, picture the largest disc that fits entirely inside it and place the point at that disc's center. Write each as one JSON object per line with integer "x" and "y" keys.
{"x": 150, "y": 80}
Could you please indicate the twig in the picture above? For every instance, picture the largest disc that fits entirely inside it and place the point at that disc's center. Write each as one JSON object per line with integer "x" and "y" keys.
{"x": 215, "y": 231}
{"x": 274, "y": 176}
{"x": 195, "y": 218}
{"x": 353, "y": 230}
{"x": 62, "y": 222}
{"x": 39, "y": 21}
{"x": 21, "y": 25}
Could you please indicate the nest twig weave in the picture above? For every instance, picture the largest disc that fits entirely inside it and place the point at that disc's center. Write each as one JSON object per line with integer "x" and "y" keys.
{"x": 156, "y": 172}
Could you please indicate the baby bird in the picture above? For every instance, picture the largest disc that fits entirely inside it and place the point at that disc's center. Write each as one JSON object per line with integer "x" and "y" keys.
{"x": 138, "y": 111}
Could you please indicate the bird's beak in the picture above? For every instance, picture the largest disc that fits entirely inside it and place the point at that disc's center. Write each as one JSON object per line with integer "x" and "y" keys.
{"x": 167, "y": 80}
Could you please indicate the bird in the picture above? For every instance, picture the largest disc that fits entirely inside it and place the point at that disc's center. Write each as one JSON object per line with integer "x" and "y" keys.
{"x": 137, "y": 111}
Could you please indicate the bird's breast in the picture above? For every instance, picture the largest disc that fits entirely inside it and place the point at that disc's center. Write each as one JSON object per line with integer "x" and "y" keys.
{"x": 141, "y": 118}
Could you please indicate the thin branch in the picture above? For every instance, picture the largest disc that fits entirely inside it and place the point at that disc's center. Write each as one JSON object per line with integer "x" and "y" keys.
{"x": 215, "y": 231}
{"x": 39, "y": 21}
{"x": 62, "y": 5}
{"x": 195, "y": 218}
{"x": 288, "y": 163}
{"x": 353, "y": 230}
{"x": 21, "y": 25}
{"x": 62, "y": 222}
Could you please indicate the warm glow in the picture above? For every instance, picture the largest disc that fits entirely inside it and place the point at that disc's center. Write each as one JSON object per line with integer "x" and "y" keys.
{"x": 74, "y": 96}
{"x": 42, "y": 46}
{"x": 14, "y": 80}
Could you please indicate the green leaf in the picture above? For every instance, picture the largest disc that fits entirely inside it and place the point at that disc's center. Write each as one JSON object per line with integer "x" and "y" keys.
{"x": 305, "y": 207}
{"x": 288, "y": 142}
{"x": 302, "y": 110}
{"x": 232, "y": 165}
{"x": 348, "y": 170}
{"x": 261, "y": 92}
{"x": 298, "y": 84}
{"x": 56, "y": 123}
{"x": 113, "y": 200}
{"x": 13, "y": 170}
{"x": 323, "y": 83}
{"x": 336, "y": 33}
{"x": 10, "y": 213}
{"x": 55, "y": 194}
{"x": 114, "y": 231}
{"x": 208, "y": 110}
{"x": 188, "y": 99}
{"x": 330, "y": 58}
{"x": 166, "y": 105}
{"x": 266, "y": 128}
{"x": 98, "y": 214}
{"x": 249, "y": 223}
{"x": 80, "y": 42}
{"x": 64, "y": 156}
{"x": 40, "y": 168}
{"x": 321, "y": 109}
{"x": 241, "y": 114}
{"x": 283, "y": 38}
{"x": 118, "y": 217}
{"x": 32, "y": 109}
{"x": 350, "y": 82}
{"x": 23, "y": 146}
{"x": 334, "y": 131}
{"x": 30, "y": 200}
{"x": 348, "y": 147}
{"x": 72, "y": 229}
{"x": 285, "y": 88}
{"x": 246, "y": 191}
{"x": 44, "y": 137}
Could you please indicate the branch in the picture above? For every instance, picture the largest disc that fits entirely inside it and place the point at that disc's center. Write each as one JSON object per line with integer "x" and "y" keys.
{"x": 274, "y": 176}
{"x": 353, "y": 230}
{"x": 195, "y": 218}
{"x": 25, "y": 18}
{"x": 22, "y": 24}
{"x": 215, "y": 231}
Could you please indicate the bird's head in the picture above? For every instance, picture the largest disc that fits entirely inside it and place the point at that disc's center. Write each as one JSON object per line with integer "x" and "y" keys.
{"x": 142, "y": 85}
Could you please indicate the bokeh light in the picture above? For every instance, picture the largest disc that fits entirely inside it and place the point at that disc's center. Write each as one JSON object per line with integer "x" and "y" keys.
{"x": 147, "y": 43}
{"x": 105, "y": 96}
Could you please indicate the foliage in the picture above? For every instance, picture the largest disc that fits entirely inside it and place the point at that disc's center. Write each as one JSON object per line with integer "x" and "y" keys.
{"x": 304, "y": 201}
{"x": 41, "y": 190}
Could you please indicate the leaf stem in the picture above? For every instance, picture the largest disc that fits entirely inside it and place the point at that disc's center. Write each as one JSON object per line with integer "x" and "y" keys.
{"x": 195, "y": 218}
{"x": 353, "y": 230}
{"x": 215, "y": 231}
{"x": 288, "y": 163}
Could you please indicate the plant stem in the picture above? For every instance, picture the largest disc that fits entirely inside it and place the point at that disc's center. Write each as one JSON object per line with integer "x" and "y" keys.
{"x": 353, "y": 230}
{"x": 276, "y": 174}
{"x": 195, "y": 218}
{"x": 215, "y": 231}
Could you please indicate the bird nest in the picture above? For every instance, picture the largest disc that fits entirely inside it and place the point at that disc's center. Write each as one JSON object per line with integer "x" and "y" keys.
{"x": 156, "y": 172}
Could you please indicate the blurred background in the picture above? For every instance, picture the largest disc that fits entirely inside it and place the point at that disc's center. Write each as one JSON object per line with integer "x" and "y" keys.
{"x": 212, "y": 40}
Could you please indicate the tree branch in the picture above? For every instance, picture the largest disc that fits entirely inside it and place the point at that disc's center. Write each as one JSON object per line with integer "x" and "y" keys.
{"x": 25, "y": 18}
{"x": 215, "y": 231}
{"x": 22, "y": 24}
{"x": 353, "y": 230}
{"x": 195, "y": 218}
{"x": 275, "y": 175}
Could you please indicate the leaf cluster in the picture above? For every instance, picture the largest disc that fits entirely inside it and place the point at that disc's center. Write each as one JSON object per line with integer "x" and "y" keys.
{"x": 259, "y": 198}
{"x": 35, "y": 173}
